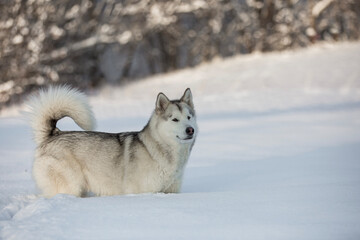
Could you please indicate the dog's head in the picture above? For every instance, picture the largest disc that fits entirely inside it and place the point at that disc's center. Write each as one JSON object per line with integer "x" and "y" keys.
{"x": 177, "y": 119}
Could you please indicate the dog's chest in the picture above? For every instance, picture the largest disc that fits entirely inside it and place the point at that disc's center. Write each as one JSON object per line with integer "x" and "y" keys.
{"x": 170, "y": 171}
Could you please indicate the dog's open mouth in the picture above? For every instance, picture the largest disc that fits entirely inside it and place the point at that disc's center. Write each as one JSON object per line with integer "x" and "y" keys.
{"x": 187, "y": 138}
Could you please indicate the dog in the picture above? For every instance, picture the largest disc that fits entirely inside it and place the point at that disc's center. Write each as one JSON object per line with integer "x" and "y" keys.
{"x": 81, "y": 162}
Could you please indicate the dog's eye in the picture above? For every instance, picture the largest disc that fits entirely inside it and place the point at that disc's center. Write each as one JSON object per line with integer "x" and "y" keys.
{"x": 175, "y": 120}
{"x": 189, "y": 117}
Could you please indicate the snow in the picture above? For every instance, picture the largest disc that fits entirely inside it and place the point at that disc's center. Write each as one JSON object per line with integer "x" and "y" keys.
{"x": 277, "y": 156}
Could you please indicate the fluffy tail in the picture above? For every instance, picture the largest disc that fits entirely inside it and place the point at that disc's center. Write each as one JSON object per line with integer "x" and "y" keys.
{"x": 52, "y": 104}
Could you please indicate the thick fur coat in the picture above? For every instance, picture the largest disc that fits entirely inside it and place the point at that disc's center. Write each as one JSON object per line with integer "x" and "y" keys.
{"x": 79, "y": 162}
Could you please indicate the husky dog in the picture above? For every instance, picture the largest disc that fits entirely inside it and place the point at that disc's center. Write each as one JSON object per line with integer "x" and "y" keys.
{"x": 79, "y": 162}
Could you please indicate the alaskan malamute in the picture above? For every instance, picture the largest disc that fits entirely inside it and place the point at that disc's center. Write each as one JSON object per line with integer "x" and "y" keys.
{"x": 79, "y": 162}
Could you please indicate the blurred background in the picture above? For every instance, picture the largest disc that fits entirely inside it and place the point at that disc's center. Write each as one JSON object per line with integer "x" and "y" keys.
{"x": 89, "y": 44}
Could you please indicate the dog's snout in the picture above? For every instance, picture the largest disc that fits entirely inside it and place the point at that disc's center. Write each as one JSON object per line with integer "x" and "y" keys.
{"x": 189, "y": 131}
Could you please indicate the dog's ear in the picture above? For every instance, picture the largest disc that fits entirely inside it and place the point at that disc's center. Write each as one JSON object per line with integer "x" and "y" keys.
{"x": 187, "y": 98}
{"x": 162, "y": 102}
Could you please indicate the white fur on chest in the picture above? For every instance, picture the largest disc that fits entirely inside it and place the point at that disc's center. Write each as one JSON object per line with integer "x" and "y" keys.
{"x": 172, "y": 171}
{"x": 166, "y": 169}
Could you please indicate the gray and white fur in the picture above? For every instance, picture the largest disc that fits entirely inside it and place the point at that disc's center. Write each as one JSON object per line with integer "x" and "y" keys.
{"x": 79, "y": 162}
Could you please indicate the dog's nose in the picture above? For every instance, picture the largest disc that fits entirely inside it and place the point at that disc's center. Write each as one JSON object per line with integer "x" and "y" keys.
{"x": 189, "y": 131}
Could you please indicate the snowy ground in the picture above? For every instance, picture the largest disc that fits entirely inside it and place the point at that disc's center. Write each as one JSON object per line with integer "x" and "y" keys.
{"x": 277, "y": 157}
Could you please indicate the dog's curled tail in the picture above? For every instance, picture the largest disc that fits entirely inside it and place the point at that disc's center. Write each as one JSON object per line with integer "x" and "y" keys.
{"x": 50, "y": 105}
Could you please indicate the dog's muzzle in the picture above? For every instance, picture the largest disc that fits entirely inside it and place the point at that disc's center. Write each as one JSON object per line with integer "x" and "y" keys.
{"x": 189, "y": 133}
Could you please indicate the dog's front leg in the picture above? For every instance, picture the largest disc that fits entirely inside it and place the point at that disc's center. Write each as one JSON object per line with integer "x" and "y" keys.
{"x": 174, "y": 187}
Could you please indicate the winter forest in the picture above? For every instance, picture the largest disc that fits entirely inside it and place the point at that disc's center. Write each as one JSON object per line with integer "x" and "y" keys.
{"x": 89, "y": 43}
